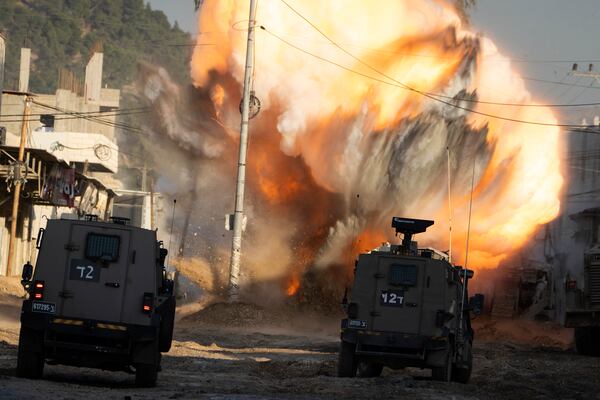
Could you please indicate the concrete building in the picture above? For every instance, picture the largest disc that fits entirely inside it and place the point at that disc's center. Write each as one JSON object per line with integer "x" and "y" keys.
{"x": 70, "y": 158}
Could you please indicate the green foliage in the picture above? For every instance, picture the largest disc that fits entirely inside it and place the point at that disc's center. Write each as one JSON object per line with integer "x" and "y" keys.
{"x": 62, "y": 33}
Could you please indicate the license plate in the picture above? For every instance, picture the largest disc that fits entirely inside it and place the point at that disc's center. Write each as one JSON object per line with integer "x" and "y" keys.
{"x": 43, "y": 307}
{"x": 356, "y": 323}
{"x": 392, "y": 298}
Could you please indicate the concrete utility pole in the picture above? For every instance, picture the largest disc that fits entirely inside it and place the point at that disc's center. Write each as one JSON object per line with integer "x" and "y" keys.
{"x": 236, "y": 243}
{"x": 11, "y": 268}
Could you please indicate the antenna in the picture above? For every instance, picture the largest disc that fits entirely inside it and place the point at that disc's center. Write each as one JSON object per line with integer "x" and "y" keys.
{"x": 466, "y": 275}
{"x": 449, "y": 209}
{"x": 172, "y": 221}
{"x": 470, "y": 211}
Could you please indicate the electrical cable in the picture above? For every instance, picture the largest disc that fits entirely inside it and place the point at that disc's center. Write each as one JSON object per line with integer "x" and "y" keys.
{"x": 558, "y": 83}
{"x": 94, "y": 119}
{"x": 422, "y": 93}
{"x": 68, "y": 116}
{"x": 430, "y": 95}
{"x": 100, "y": 113}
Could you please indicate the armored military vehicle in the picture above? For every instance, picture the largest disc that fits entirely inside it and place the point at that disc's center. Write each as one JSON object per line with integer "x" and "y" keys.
{"x": 583, "y": 304}
{"x": 99, "y": 298}
{"x": 408, "y": 308}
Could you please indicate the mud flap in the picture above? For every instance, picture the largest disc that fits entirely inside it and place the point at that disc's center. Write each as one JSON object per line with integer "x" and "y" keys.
{"x": 436, "y": 358}
{"x": 146, "y": 353}
{"x": 32, "y": 340}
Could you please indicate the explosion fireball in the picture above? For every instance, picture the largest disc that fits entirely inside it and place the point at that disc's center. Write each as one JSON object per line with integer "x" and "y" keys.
{"x": 341, "y": 145}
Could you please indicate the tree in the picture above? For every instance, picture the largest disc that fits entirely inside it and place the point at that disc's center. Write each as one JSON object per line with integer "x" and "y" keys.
{"x": 63, "y": 33}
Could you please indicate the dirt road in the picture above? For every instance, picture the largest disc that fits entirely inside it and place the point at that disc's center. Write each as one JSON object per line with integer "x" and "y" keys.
{"x": 261, "y": 362}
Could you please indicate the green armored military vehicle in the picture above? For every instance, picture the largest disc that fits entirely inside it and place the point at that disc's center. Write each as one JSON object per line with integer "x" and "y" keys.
{"x": 99, "y": 298}
{"x": 408, "y": 308}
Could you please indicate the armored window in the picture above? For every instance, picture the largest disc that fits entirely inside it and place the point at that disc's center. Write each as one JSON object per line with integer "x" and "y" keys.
{"x": 102, "y": 247}
{"x": 403, "y": 275}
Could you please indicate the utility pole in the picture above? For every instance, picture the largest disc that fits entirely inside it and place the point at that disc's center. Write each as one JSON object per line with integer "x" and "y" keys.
{"x": 10, "y": 267}
{"x": 236, "y": 243}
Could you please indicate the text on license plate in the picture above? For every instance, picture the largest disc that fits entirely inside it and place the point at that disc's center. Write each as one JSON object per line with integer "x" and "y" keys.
{"x": 43, "y": 307}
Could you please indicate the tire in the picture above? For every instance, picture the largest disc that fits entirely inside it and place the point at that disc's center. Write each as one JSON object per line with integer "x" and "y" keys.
{"x": 146, "y": 360}
{"x": 369, "y": 369}
{"x": 30, "y": 357}
{"x": 165, "y": 336}
{"x": 347, "y": 360}
{"x": 462, "y": 374}
{"x": 146, "y": 375}
{"x": 444, "y": 373}
{"x": 587, "y": 341}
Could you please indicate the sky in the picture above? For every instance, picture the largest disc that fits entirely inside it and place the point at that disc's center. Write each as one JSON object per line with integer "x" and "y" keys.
{"x": 541, "y": 32}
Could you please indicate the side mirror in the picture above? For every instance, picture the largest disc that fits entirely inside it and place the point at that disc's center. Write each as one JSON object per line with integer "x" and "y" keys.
{"x": 476, "y": 303}
{"x": 162, "y": 256}
{"x": 470, "y": 273}
{"x": 27, "y": 272}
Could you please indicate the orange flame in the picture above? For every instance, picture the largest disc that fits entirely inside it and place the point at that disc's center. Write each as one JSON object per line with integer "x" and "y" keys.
{"x": 292, "y": 286}
{"x": 350, "y": 133}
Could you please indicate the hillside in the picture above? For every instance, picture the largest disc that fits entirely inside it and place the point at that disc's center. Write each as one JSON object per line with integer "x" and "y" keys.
{"x": 62, "y": 33}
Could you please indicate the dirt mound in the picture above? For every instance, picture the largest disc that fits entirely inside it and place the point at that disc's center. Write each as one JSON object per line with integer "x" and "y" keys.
{"x": 525, "y": 332}
{"x": 236, "y": 314}
{"x": 11, "y": 285}
{"x": 211, "y": 277}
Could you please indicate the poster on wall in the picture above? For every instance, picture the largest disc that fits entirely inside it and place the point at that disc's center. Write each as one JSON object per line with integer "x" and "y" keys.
{"x": 59, "y": 188}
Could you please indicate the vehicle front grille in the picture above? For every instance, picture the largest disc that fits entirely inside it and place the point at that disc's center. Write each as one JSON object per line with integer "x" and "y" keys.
{"x": 594, "y": 284}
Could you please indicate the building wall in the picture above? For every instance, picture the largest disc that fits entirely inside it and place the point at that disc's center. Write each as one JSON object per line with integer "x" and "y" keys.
{"x": 13, "y": 106}
{"x": 77, "y": 147}
{"x": 34, "y": 218}
{"x": 562, "y": 242}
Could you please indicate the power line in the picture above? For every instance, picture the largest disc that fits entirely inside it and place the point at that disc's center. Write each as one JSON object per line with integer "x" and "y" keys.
{"x": 67, "y": 116}
{"x": 558, "y": 83}
{"x": 483, "y": 58}
{"x": 93, "y": 119}
{"x": 425, "y": 94}
{"x": 100, "y": 113}
{"x": 433, "y": 96}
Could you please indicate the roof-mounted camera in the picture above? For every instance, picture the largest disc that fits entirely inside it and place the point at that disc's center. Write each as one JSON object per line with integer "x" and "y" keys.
{"x": 409, "y": 227}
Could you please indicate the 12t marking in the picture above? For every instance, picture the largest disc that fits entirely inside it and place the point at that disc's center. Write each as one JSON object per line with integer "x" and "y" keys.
{"x": 394, "y": 298}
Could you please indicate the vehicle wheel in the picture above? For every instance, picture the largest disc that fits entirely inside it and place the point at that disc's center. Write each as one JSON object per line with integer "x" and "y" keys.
{"x": 587, "y": 341}
{"x": 347, "y": 360}
{"x": 444, "y": 373}
{"x": 462, "y": 374}
{"x": 30, "y": 357}
{"x": 165, "y": 336}
{"x": 369, "y": 369}
{"x": 146, "y": 375}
